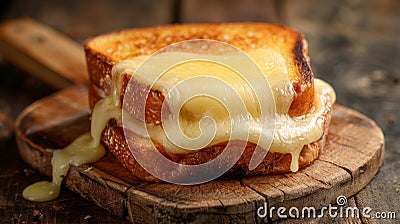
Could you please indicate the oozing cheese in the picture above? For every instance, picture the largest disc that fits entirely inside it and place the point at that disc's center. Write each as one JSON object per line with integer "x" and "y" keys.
{"x": 291, "y": 134}
{"x": 84, "y": 149}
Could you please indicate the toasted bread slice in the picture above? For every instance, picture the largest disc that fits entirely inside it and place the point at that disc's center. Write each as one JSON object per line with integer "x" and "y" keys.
{"x": 104, "y": 51}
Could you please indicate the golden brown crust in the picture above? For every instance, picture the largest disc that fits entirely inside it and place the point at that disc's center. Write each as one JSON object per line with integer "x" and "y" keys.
{"x": 104, "y": 51}
{"x": 301, "y": 103}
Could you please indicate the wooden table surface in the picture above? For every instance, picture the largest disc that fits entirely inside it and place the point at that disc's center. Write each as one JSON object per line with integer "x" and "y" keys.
{"x": 354, "y": 45}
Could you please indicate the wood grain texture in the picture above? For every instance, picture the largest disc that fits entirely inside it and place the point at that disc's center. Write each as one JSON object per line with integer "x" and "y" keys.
{"x": 347, "y": 164}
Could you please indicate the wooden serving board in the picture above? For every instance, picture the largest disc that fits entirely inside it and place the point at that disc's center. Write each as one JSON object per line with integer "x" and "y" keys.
{"x": 353, "y": 154}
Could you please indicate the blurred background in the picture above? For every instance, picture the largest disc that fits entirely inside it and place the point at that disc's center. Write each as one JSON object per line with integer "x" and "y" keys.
{"x": 353, "y": 44}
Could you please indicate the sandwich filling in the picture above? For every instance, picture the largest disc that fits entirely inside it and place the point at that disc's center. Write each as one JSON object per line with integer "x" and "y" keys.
{"x": 291, "y": 133}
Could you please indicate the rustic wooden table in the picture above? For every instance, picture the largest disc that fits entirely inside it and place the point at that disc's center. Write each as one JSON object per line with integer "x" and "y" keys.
{"x": 354, "y": 45}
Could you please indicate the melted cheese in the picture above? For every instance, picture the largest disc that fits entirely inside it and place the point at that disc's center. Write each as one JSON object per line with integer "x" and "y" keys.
{"x": 204, "y": 111}
{"x": 291, "y": 133}
{"x": 290, "y": 136}
{"x": 271, "y": 63}
{"x": 84, "y": 149}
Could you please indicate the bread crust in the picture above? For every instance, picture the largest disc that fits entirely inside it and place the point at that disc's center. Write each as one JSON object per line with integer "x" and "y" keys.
{"x": 103, "y": 52}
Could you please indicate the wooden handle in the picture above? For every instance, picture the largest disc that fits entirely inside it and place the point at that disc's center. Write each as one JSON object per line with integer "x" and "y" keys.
{"x": 43, "y": 52}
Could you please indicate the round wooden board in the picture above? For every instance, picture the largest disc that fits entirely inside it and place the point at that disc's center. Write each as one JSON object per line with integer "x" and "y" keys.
{"x": 353, "y": 154}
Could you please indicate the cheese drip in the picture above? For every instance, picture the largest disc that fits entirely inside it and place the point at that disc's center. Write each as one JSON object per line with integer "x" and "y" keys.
{"x": 292, "y": 133}
{"x": 85, "y": 149}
